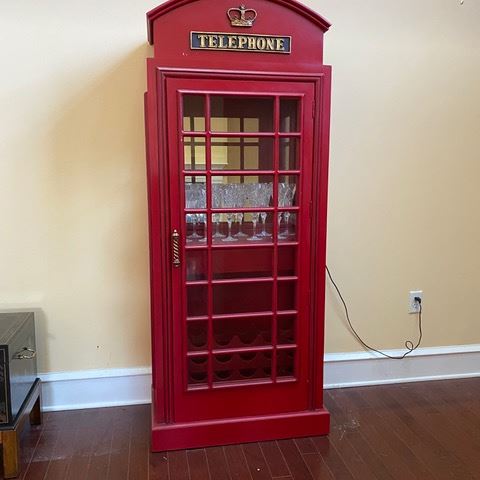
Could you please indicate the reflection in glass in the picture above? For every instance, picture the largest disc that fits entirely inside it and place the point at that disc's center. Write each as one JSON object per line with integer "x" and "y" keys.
{"x": 289, "y": 115}
{"x": 194, "y": 113}
{"x": 194, "y": 153}
{"x": 196, "y": 262}
{"x": 241, "y": 114}
{"x": 242, "y": 153}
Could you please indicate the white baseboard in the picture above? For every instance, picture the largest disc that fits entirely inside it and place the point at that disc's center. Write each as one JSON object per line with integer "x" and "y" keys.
{"x": 131, "y": 386}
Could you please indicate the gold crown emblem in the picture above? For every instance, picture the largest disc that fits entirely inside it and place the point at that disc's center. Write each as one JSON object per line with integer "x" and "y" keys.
{"x": 242, "y": 16}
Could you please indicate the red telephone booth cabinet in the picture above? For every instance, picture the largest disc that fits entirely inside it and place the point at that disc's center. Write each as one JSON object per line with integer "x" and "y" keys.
{"x": 237, "y": 114}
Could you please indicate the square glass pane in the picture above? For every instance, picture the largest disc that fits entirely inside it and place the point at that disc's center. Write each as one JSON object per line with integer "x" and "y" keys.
{"x": 289, "y": 115}
{"x": 286, "y": 363}
{"x": 287, "y": 261}
{"x": 248, "y": 191}
{"x": 196, "y": 264}
{"x": 287, "y": 295}
{"x": 241, "y": 263}
{"x": 194, "y": 153}
{"x": 242, "y": 153}
{"x": 242, "y": 332}
{"x": 242, "y": 298}
{"x": 289, "y": 153}
{"x": 242, "y": 227}
{"x": 196, "y": 231}
{"x": 197, "y": 371}
{"x": 241, "y": 114}
{"x": 197, "y": 300}
{"x": 195, "y": 192}
{"x": 241, "y": 367}
{"x": 287, "y": 227}
{"x": 193, "y": 113}
{"x": 286, "y": 329}
{"x": 197, "y": 336}
{"x": 288, "y": 191}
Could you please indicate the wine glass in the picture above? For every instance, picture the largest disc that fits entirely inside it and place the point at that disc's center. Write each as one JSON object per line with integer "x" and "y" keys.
{"x": 266, "y": 192}
{"x": 256, "y": 200}
{"x": 286, "y": 195}
{"x": 217, "y": 191}
{"x": 240, "y": 202}
{"x": 191, "y": 202}
{"x": 229, "y": 202}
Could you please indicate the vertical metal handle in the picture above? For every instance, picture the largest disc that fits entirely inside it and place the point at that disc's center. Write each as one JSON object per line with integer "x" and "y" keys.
{"x": 176, "y": 249}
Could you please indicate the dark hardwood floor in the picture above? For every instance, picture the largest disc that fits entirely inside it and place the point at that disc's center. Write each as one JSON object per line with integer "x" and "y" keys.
{"x": 418, "y": 431}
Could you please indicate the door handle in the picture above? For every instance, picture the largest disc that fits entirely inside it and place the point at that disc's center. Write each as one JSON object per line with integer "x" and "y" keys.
{"x": 176, "y": 249}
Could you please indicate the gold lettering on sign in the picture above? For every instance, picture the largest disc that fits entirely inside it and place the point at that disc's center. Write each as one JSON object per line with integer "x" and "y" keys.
{"x": 240, "y": 43}
{"x": 203, "y": 40}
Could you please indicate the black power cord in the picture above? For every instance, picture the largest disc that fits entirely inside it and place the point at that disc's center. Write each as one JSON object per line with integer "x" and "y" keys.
{"x": 408, "y": 344}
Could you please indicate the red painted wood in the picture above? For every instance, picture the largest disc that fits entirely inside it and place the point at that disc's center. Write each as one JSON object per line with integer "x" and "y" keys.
{"x": 187, "y": 415}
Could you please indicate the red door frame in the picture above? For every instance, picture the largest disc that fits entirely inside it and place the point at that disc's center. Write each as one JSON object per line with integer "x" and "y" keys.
{"x": 254, "y": 398}
{"x": 158, "y": 131}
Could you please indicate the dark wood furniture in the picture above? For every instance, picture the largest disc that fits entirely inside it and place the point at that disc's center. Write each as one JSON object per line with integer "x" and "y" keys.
{"x": 19, "y": 385}
{"x": 237, "y": 114}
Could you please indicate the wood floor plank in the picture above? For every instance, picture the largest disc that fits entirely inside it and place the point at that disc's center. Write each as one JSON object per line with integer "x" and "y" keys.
{"x": 294, "y": 459}
{"x": 139, "y": 443}
{"x": 178, "y": 465}
{"x": 332, "y": 458}
{"x": 305, "y": 445}
{"x": 217, "y": 463}
{"x": 256, "y": 462}
{"x": 425, "y": 431}
{"x": 237, "y": 464}
{"x": 158, "y": 466}
{"x": 450, "y": 464}
{"x": 416, "y": 466}
{"x": 317, "y": 466}
{"x": 344, "y": 425}
{"x": 448, "y": 434}
{"x": 393, "y": 462}
{"x": 275, "y": 460}
{"x": 102, "y": 445}
{"x": 119, "y": 458}
{"x": 197, "y": 464}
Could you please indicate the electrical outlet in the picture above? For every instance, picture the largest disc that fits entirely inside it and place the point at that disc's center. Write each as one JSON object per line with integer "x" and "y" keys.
{"x": 413, "y": 306}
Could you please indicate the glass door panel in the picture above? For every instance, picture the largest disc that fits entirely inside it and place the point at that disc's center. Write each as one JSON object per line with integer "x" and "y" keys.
{"x": 244, "y": 192}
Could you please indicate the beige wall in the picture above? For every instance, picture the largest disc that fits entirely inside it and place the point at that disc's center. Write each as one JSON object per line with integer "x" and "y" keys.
{"x": 404, "y": 196}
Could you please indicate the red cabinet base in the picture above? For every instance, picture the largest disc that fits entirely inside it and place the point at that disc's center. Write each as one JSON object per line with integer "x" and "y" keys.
{"x": 240, "y": 430}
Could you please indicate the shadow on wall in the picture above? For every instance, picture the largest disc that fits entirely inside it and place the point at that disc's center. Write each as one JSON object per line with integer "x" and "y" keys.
{"x": 96, "y": 196}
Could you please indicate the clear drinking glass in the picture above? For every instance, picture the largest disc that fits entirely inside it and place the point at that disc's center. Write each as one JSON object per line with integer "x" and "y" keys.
{"x": 229, "y": 200}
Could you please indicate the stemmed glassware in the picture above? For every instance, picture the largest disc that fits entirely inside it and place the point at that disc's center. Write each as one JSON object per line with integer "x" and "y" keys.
{"x": 216, "y": 217}
{"x": 195, "y": 196}
{"x": 241, "y": 198}
{"x": 266, "y": 193}
{"x": 286, "y": 194}
{"x": 229, "y": 201}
